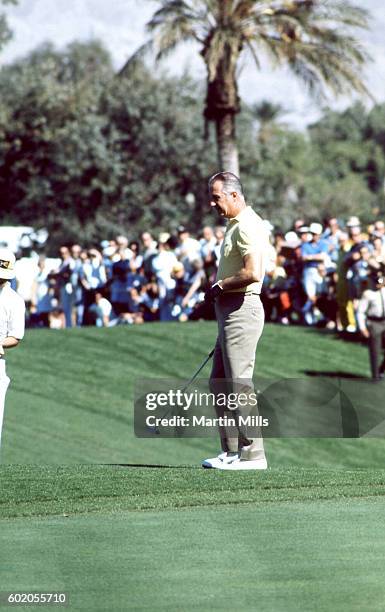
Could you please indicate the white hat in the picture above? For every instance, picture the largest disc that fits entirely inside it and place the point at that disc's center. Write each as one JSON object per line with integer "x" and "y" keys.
{"x": 291, "y": 237}
{"x": 163, "y": 237}
{"x": 304, "y": 229}
{"x": 353, "y": 222}
{"x": 315, "y": 228}
{"x": 7, "y": 264}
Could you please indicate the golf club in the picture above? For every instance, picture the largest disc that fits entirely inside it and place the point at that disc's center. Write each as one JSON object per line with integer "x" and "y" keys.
{"x": 155, "y": 429}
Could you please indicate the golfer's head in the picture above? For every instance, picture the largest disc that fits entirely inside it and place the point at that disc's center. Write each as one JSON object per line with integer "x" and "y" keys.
{"x": 7, "y": 265}
{"x": 226, "y": 194}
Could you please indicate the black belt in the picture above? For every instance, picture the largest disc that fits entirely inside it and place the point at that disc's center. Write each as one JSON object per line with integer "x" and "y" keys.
{"x": 376, "y": 319}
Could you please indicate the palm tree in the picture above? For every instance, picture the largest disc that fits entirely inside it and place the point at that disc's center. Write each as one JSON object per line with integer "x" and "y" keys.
{"x": 314, "y": 37}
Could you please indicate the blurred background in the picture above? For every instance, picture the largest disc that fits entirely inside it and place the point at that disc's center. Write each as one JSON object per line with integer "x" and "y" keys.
{"x": 112, "y": 118}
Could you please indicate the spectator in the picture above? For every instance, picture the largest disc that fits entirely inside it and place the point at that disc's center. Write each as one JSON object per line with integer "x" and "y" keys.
{"x": 93, "y": 278}
{"x": 188, "y": 249}
{"x": 379, "y": 228}
{"x": 187, "y": 290}
{"x": 207, "y": 243}
{"x": 312, "y": 253}
{"x": 56, "y": 318}
{"x": 345, "y": 311}
{"x": 207, "y": 251}
{"x": 76, "y": 253}
{"x": 356, "y": 235}
{"x": 219, "y": 234}
{"x": 136, "y": 261}
{"x": 43, "y": 293}
{"x": 162, "y": 266}
{"x": 298, "y": 223}
{"x": 326, "y": 303}
{"x": 378, "y": 252}
{"x": 150, "y": 301}
{"x": 110, "y": 256}
{"x": 122, "y": 247}
{"x": 100, "y": 310}
{"x": 149, "y": 245}
{"x": 123, "y": 280}
{"x": 331, "y": 236}
{"x": 66, "y": 282}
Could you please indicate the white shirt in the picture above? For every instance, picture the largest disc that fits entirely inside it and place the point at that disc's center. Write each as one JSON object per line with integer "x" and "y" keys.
{"x": 372, "y": 304}
{"x": 162, "y": 265}
{"x": 12, "y": 313}
{"x": 190, "y": 249}
{"x": 105, "y": 307}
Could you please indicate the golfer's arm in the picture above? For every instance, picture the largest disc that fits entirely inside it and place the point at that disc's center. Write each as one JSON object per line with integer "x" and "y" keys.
{"x": 252, "y": 272}
{"x": 10, "y": 342}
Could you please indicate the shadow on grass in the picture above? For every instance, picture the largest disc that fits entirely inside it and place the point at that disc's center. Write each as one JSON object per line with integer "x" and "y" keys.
{"x": 334, "y": 374}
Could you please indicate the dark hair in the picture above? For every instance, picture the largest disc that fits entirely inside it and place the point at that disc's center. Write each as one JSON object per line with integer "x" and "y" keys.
{"x": 132, "y": 243}
{"x": 229, "y": 181}
{"x": 173, "y": 242}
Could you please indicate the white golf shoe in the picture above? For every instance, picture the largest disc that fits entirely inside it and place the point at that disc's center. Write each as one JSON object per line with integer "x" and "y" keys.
{"x": 220, "y": 461}
{"x": 242, "y": 464}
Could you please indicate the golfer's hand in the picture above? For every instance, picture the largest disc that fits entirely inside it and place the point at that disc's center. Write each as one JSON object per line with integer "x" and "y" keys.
{"x": 212, "y": 293}
{"x": 365, "y": 333}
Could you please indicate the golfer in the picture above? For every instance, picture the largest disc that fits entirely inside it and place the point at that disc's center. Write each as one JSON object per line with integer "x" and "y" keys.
{"x": 12, "y": 315}
{"x": 240, "y": 316}
{"x": 371, "y": 322}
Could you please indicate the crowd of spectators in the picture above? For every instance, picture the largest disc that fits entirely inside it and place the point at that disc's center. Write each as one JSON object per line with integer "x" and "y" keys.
{"x": 122, "y": 281}
{"x": 316, "y": 274}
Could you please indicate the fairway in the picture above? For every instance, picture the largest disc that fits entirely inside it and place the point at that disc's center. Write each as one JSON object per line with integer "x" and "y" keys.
{"x": 304, "y": 535}
{"x": 189, "y": 539}
{"x": 71, "y": 395}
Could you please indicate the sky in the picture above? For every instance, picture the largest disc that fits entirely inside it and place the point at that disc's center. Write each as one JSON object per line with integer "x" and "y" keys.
{"x": 120, "y": 24}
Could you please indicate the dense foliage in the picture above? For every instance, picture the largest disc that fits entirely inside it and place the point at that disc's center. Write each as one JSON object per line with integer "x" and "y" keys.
{"x": 87, "y": 154}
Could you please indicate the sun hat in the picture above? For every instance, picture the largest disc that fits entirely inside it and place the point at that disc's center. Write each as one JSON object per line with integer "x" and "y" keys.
{"x": 315, "y": 228}
{"x": 7, "y": 264}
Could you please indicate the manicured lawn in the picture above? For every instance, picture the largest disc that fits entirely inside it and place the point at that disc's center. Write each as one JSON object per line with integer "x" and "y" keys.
{"x": 304, "y": 535}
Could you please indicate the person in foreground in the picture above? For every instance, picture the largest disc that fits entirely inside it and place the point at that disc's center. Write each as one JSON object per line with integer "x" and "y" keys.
{"x": 12, "y": 316}
{"x": 240, "y": 317}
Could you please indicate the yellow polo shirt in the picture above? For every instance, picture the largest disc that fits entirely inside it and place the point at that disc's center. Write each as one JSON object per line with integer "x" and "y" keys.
{"x": 245, "y": 234}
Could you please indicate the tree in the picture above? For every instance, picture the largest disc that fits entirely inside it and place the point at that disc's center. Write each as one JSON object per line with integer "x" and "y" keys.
{"x": 313, "y": 37}
{"x": 5, "y": 32}
{"x": 88, "y": 156}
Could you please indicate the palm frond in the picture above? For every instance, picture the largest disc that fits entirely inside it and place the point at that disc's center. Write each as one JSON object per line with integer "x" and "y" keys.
{"x": 314, "y": 37}
{"x": 167, "y": 38}
{"x": 136, "y": 58}
{"x": 254, "y": 54}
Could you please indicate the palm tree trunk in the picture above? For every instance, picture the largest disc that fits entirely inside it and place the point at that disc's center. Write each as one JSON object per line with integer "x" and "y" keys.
{"x": 226, "y": 142}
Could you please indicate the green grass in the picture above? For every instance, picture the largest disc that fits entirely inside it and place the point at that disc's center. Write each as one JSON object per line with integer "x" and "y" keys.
{"x": 44, "y": 491}
{"x": 304, "y": 535}
{"x": 71, "y": 396}
{"x": 188, "y": 539}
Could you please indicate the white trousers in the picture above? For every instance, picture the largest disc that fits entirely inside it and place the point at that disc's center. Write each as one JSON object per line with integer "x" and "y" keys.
{"x": 4, "y": 382}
